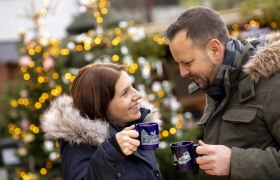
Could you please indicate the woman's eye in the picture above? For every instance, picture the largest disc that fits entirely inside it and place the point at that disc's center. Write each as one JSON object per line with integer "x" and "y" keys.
{"x": 124, "y": 93}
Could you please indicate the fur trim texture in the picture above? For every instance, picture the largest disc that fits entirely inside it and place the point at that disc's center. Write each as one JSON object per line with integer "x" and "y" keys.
{"x": 266, "y": 61}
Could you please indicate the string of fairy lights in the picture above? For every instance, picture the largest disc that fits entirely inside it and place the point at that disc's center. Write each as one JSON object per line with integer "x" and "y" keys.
{"x": 236, "y": 29}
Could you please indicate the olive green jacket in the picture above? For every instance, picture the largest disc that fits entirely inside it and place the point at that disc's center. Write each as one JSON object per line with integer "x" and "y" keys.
{"x": 248, "y": 119}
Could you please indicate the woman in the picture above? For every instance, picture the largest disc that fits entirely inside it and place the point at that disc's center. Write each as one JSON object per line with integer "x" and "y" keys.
{"x": 95, "y": 127}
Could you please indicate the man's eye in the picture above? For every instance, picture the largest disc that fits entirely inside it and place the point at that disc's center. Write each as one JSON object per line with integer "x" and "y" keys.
{"x": 188, "y": 63}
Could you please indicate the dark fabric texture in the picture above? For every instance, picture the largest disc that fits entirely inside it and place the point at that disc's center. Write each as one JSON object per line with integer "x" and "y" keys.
{"x": 113, "y": 141}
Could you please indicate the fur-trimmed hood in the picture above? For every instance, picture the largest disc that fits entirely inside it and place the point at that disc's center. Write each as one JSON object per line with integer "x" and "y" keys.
{"x": 266, "y": 61}
{"x": 63, "y": 121}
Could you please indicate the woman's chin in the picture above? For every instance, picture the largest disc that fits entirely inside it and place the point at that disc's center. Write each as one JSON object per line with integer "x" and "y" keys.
{"x": 137, "y": 116}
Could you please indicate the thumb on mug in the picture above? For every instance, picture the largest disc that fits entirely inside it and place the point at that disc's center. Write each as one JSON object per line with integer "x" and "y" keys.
{"x": 129, "y": 128}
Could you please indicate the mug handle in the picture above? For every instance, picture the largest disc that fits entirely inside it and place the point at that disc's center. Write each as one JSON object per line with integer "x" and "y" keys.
{"x": 194, "y": 151}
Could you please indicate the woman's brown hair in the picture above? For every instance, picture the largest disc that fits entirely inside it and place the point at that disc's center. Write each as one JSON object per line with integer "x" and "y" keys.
{"x": 94, "y": 88}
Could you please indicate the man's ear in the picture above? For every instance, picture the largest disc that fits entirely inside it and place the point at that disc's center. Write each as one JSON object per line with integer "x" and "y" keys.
{"x": 216, "y": 49}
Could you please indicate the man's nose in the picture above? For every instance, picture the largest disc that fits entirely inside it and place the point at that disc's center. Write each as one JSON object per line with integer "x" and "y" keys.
{"x": 184, "y": 72}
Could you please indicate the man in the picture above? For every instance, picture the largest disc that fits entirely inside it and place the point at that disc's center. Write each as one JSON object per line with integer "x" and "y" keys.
{"x": 241, "y": 121}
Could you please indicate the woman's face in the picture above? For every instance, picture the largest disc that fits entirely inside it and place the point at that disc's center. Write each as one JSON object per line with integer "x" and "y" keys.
{"x": 124, "y": 106}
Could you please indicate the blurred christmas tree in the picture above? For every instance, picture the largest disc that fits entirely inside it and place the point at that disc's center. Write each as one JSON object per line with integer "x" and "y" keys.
{"x": 47, "y": 67}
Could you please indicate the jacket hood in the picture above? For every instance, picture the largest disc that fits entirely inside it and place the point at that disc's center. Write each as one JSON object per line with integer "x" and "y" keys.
{"x": 266, "y": 60}
{"x": 62, "y": 121}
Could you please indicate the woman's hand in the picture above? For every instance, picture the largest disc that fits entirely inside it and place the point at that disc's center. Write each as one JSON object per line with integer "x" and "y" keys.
{"x": 126, "y": 140}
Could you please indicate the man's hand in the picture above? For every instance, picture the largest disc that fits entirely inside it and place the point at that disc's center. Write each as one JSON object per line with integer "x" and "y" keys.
{"x": 214, "y": 159}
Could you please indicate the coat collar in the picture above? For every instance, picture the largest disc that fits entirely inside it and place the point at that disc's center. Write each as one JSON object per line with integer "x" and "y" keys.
{"x": 62, "y": 121}
{"x": 266, "y": 61}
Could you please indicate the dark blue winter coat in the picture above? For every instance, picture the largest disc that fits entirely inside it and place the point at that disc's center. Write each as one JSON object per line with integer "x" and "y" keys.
{"x": 86, "y": 147}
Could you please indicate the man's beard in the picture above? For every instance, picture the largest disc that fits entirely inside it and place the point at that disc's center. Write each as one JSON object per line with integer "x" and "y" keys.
{"x": 210, "y": 76}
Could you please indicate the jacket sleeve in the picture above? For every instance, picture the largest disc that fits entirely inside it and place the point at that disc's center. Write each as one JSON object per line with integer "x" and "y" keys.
{"x": 257, "y": 163}
{"x": 104, "y": 162}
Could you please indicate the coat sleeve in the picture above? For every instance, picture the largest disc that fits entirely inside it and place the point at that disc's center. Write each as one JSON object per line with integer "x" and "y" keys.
{"x": 104, "y": 162}
{"x": 257, "y": 163}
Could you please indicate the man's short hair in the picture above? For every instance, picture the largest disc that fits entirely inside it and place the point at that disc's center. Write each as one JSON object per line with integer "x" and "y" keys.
{"x": 201, "y": 24}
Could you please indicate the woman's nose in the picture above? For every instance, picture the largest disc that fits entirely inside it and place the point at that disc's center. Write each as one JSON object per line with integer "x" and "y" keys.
{"x": 137, "y": 95}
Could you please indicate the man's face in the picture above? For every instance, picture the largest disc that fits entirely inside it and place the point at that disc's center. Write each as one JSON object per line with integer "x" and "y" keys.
{"x": 194, "y": 62}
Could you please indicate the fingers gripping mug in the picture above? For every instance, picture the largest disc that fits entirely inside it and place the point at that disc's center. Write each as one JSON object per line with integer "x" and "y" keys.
{"x": 148, "y": 135}
{"x": 184, "y": 155}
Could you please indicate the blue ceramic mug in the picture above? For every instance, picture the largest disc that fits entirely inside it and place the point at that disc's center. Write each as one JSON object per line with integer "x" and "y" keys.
{"x": 148, "y": 135}
{"x": 183, "y": 155}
